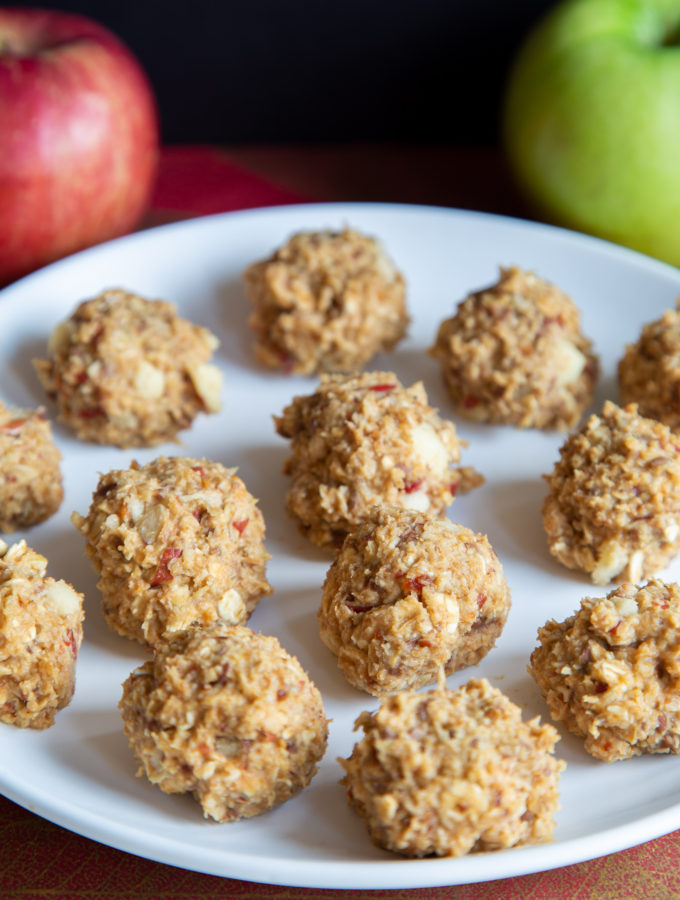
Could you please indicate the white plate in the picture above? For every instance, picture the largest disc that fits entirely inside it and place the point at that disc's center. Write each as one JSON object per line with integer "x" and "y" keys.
{"x": 81, "y": 774}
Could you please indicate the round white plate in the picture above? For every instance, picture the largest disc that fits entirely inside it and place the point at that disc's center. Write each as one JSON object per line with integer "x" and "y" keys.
{"x": 81, "y": 774}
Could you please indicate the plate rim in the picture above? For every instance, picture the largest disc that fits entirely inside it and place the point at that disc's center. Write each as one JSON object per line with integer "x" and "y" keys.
{"x": 529, "y": 859}
{"x": 578, "y": 237}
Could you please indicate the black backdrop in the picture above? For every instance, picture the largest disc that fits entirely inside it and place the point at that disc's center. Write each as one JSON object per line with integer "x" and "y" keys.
{"x": 290, "y": 70}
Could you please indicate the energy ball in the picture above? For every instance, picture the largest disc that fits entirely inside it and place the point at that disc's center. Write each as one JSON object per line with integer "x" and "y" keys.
{"x": 326, "y": 301}
{"x": 611, "y": 672}
{"x": 407, "y": 595}
{"x": 613, "y": 503}
{"x": 649, "y": 372}
{"x": 130, "y": 372}
{"x": 514, "y": 354}
{"x": 227, "y": 715}
{"x": 40, "y": 634}
{"x": 363, "y": 440}
{"x": 30, "y": 474}
{"x": 447, "y": 773}
{"x": 177, "y": 542}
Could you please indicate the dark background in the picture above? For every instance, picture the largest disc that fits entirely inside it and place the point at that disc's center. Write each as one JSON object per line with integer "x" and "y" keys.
{"x": 294, "y": 71}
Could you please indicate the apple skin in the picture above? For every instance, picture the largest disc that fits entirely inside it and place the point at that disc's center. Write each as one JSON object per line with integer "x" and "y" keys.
{"x": 79, "y": 137}
{"x": 592, "y": 121}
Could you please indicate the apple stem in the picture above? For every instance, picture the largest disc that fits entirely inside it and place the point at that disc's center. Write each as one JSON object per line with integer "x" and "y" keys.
{"x": 672, "y": 38}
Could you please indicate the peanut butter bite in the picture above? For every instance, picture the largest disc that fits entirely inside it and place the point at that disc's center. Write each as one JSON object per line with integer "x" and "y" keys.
{"x": 227, "y": 715}
{"x": 611, "y": 672}
{"x": 514, "y": 354}
{"x": 649, "y": 370}
{"x": 409, "y": 595}
{"x": 177, "y": 542}
{"x": 364, "y": 440}
{"x": 325, "y": 301}
{"x": 41, "y": 629}
{"x": 128, "y": 371}
{"x": 30, "y": 469}
{"x": 445, "y": 773}
{"x": 613, "y": 503}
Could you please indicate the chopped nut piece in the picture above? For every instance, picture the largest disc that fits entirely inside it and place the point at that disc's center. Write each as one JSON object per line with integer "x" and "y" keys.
{"x": 208, "y": 383}
{"x": 612, "y": 559}
{"x": 149, "y": 381}
{"x": 231, "y": 608}
{"x": 149, "y": 523}
{"x": 64, "y": 599}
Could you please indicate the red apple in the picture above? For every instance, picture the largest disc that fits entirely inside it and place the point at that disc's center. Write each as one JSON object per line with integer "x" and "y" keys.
{"x": 78, "y": 137}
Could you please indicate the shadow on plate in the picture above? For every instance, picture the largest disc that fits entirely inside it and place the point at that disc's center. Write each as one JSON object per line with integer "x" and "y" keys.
{"x": 21, "y": 365}
{"x": 511, "y": 518}
{"x": 105, "y": 760}
{"x": 607, "y": 388}
{"x": 338, "y": 832}
{"x": 236, "y": 338}
{"x": 299, "y": 635}
{"x": 261, "y": 468}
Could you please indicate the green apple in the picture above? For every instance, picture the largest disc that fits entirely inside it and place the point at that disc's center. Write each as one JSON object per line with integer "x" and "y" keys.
{"x": 592, "y": 121}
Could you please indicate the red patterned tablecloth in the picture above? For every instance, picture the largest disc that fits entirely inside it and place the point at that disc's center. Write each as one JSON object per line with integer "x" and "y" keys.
{"x": 41, "y": 860}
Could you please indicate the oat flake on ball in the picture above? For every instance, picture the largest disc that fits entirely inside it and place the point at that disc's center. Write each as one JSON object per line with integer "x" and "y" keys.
{"x": 447, "y": 773}
{"x": 363, "y": 440}
{"x": 177, "y": 542}
{"x": 30, "y": 474}
{"x": 228, "y": 715}
{"x": 325, "y": 302}
{"x": 611, "y": 672}
{"x": 514, "y": 354}
{"x": 128, "y": 371}
{"x": 40, "y": 634}
{"x": 407, "y": 595}
{"x": 613, "y": 504}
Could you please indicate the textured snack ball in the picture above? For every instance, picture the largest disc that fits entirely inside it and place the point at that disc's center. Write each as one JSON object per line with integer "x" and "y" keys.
{"x": 649, "y": 371}
{"x": 30, "y": 474}
{"x": 611, "y": 672}
{"x": 447, "y": 773}
{"x": 613, "y": 504}
{"x": 407, "y": 595}
{"x": 514, "y": 354}
{"x": 130, "y": 372}
{"x": 228, "y": 715}
{"x": 177, "y": 542}
{"x": 40, "y": 634}
{"x": 363, "y": 440}
{"x": 325, "y": 302}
